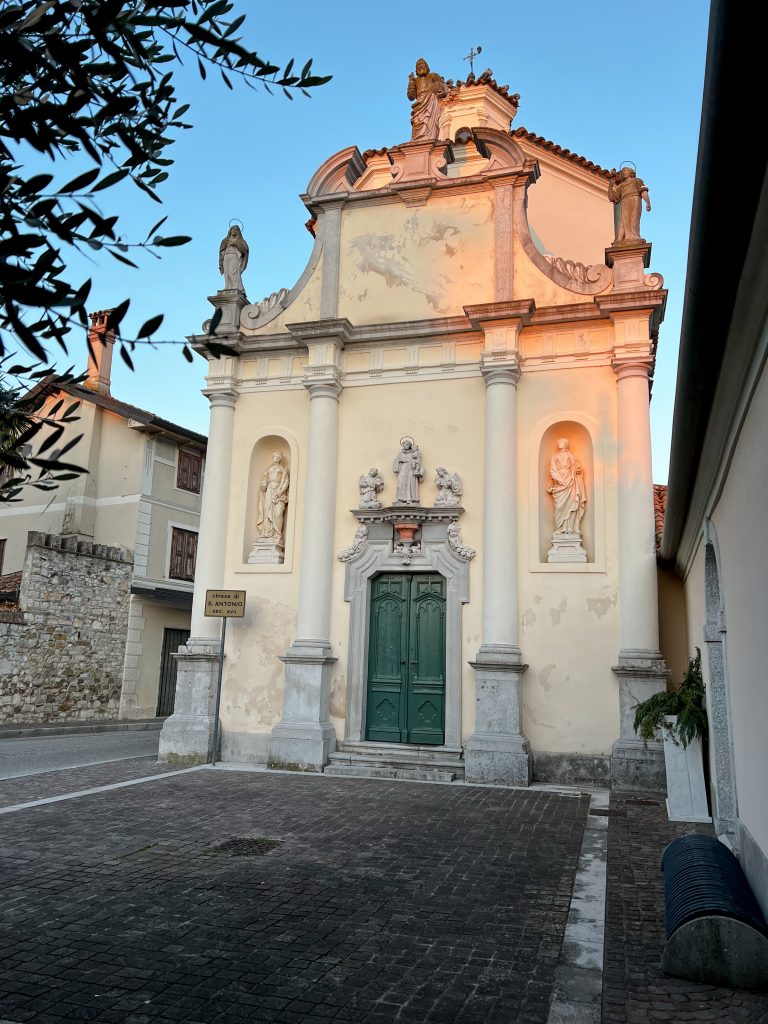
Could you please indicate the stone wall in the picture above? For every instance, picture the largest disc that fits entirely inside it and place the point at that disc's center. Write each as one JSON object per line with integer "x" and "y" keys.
{"x": 62, "y": 651}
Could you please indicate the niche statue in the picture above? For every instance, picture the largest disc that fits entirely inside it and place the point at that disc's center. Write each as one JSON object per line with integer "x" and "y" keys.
{"x": 569, "y": 495}
{"x": 273, "y": 500}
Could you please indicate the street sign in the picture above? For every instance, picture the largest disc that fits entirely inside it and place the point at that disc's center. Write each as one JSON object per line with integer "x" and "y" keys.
{"x": 222, "y": 604}
{"x": 225, "y": 604}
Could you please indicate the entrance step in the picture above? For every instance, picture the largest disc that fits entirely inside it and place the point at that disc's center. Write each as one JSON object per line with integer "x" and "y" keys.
{"x": 368, "y": 771}
{"x": 397, "y": 760}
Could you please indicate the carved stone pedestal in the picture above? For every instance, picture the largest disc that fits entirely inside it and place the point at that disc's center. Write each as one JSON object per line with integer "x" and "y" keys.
{"x": 304, "y": 737}
{"x": 635, "y": 763}
{"x": 267, "y": 551}
{"x": 187, "y": 736}
{"x": 566, "y": 547}
{"x": 231, "y": 303}
{"x": 629, "y": 260}
{"x": 498, "y": 752}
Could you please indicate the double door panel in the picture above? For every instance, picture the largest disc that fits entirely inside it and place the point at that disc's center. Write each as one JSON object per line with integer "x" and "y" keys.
{"x": 406, "y": 659}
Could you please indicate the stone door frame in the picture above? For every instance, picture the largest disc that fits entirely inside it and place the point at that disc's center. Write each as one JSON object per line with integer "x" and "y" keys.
{"x": 377, "y": 556}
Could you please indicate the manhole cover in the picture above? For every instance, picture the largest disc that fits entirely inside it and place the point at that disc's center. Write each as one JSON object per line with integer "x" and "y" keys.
{"x": 246, "y": 846}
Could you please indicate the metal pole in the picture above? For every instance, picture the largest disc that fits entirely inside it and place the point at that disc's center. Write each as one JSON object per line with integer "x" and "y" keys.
{"x": 218, "y": 692}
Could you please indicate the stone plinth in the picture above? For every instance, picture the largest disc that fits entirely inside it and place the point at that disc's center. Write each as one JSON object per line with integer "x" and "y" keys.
{"x": 498, "y": 752}
{"x": 231, "y": 302}
{"x": 304, "y": 737}
{"x": 187, "y": 736}
{"x": 637, "y": 764}
{"x": 628, "y": 260}
{"x": 566, "y": 547}
{"x": 267, "y": 551}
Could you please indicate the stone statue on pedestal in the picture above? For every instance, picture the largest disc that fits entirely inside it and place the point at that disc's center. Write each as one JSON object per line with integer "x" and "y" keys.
{"x": 627, "y": 190}
{"x": 371, "y": 485}
{"x": 273, "y": 501}
{"x": 425, "y": 89}
{"x": 233, "y": 259}
{"x": 407, "y": 466}
{"x": 570, "y": 497}
{"x": 449, "y": 489}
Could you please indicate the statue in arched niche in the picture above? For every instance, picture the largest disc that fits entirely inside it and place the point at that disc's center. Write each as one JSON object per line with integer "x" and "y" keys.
{"x": 569, "y": 494}
{"x": 272, "y": 503}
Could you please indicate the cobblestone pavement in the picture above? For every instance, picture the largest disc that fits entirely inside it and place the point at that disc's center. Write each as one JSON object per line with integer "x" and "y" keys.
{"x": 382, "y": 902}
{"x": 634, "y": 989}
{"x": 69, "y": 780}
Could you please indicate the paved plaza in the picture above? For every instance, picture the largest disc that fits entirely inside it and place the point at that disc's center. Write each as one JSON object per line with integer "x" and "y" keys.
{"x": 222, "y": 896}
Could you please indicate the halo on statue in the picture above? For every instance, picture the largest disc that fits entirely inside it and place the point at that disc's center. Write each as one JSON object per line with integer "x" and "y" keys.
{"x": 407, "y": 438}
{"x": 236, "y": 220}
{"x": 628, "y": 163}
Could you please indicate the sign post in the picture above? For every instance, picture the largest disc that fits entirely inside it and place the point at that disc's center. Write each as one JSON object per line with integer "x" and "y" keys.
{"x": 222, "y": 604}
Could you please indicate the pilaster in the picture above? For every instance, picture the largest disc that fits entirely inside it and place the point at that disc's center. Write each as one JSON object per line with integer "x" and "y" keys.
{"x": 187, "y": 736}
{"x": 640, "y": 670}
{"x": 304, "y": 737}
{"x": 498, "y": 752}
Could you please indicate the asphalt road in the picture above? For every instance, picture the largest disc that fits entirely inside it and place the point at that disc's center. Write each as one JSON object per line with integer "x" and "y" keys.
{"x": 30, "y": 756}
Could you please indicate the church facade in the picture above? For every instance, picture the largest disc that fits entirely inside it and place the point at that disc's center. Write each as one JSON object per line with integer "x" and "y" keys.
{"x": 429, "y": 468}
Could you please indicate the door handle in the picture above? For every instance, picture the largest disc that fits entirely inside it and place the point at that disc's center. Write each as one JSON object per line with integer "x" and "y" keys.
{"x": 414, "y": 662}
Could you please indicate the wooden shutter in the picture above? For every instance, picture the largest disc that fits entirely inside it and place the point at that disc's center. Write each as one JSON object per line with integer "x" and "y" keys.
{"x": 188, "y": 476}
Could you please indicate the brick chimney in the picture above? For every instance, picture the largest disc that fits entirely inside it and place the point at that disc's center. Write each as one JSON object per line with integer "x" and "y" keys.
{"x": 100, "y": 342}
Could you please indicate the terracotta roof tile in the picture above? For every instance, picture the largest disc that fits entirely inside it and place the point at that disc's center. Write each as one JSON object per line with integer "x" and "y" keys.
{"x": 486, "y": 78}
{"x": 552, "y": 147}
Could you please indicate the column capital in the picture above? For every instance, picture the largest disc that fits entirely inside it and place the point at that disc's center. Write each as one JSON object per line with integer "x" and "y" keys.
{"x": 327, "y": 385}
{"x": 625, "y": 366}
{"x": 516, "y": 314}
{"x": 500, "y": 372}
{"x": 226, "y": 398}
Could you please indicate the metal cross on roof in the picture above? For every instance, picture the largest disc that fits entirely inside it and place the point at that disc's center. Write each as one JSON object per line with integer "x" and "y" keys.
{"x": 471, "y": 58}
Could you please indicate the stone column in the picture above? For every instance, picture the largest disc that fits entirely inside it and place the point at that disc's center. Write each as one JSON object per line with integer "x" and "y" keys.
{"x": 497, "y": 751}
{"x": 304, "y": 737}
{"x": 188, "y": 734}
{"x": 640, "y": 670}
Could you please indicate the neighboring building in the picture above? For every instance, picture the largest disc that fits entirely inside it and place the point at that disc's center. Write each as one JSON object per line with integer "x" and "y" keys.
{"x": 459, "y": 293}
{"x": 715, "y": 537}
{"x": 142, "y": 493}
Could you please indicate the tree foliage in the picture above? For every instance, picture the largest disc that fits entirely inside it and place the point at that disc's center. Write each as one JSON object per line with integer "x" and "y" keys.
{"x": 96, "y": 78}
{"x": 92, "y": 82}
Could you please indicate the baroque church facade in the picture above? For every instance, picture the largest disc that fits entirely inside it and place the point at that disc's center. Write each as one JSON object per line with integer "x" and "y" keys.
{"x": 429, "y": 468}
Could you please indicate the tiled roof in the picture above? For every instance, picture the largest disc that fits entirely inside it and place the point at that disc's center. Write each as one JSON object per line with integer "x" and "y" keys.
{"x": 486, "y": 78}
{"x": 552, "y": 147}
{"x": 659, "y": 510}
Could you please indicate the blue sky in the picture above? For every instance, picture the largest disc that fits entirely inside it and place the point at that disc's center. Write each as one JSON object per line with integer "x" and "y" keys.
{"x": 611, "y": 81}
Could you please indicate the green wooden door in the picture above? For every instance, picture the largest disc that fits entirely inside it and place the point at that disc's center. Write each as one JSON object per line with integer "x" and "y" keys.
{"x": 406, "y": 659}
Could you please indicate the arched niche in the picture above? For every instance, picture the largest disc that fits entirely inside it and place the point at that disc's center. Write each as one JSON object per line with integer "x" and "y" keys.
{"x": 580, "y": 443}
{"x": 277, "y": 440}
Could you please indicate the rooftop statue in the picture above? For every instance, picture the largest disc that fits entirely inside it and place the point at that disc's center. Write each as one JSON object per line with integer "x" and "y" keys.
{"x": 233, "y": 259}
{"x": 627, "y": 190}
{"x": 425, "y": 89}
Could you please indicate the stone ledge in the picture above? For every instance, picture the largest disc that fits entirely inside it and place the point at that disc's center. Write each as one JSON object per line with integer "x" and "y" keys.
{"x": 71, "y": 545}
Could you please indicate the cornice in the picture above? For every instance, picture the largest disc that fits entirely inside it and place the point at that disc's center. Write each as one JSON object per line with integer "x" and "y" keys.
{"x": 492, "y": 314}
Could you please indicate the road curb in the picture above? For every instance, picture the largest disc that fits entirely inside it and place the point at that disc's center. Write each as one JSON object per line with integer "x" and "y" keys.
{"x": 78, "y": 728}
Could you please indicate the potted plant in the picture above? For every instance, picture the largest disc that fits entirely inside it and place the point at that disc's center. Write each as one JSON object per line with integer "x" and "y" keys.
{"x": 681, "y": 718}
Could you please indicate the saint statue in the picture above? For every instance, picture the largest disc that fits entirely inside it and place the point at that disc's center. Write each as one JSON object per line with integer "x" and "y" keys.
{"x": 628, "y": 191}
{"x": 425, "y": 89}
{"x": 407, "y": 465}
{"x": 273, "y": 499}
{"x": 567, "y": 489}
{"x": 233, "y": 259}
{"x": 449, "y": 489}
{"x": 371, "y": 485}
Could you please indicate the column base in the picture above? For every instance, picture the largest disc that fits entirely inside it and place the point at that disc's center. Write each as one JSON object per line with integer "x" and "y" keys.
{"x": 305, "y": 737}
{"x": 187, "y": 736}
{"x": 497, "y": 752}
{"x": 635, "y": 763}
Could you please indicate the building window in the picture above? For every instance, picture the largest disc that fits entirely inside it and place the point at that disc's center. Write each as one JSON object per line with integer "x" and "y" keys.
{"x": 183, "y": 554}
{"x": 189, "y": 471}
{"x": 2, "y": 555}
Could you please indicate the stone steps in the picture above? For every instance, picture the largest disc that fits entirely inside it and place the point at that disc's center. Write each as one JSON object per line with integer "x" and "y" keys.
{"x": 370, "y": 771}
{"x": 396, "y": 761}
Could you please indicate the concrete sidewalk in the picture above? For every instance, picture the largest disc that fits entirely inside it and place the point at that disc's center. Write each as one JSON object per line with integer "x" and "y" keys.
{"x": 68, "y": 728}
